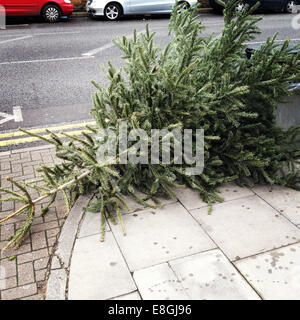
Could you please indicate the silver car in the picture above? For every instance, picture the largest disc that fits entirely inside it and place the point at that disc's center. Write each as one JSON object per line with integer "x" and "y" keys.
{"x": 113, "y": 10}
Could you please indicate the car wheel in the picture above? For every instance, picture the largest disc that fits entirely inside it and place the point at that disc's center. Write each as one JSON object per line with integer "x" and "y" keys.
{"x": 289, "y": 7}
{"x": 51, "y": 13}
{"x": 112, "y": 12}
{"x": 240, "y": 7}
{"x": 184, "y": 5}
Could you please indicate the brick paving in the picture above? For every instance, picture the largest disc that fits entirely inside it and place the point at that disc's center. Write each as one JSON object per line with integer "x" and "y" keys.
{"x": 272, "y": 218}
{"x": 25, "y": 275}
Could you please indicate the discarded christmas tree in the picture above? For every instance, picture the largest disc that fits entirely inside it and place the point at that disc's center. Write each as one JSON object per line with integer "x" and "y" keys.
{"x": 194, "y": 83}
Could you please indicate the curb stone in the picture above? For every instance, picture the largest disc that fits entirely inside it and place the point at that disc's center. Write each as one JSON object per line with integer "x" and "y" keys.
{"x": 205, "y": 10}
{"x": 60, "y": 263}
{"x": 79, "y": 14}
{"x": 56, "y": 287}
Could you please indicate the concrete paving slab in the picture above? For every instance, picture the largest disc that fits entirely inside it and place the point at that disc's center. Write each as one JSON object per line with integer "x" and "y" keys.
{"x": 98, "y": 270}
{"x": 159, "y": 283}
{"x": 91, "y": 225}
{"x": 229, "y": 191}
{"x": 285, "y": 200}
{"x": 130, "y": 296}
{"x": 210, "y": 276}
{"x": 246, "y": 227}
{"x": 275, "y": 274}
{"x": 156, "y": 236}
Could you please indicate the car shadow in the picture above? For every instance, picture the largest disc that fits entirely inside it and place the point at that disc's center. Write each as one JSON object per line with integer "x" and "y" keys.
{"x": 137, "y": 17}
{"x": 11, "y": 21}
{"x": 20, "y": 20}
{"x": 257, "y": 12}
{"x": 15, "y": 21}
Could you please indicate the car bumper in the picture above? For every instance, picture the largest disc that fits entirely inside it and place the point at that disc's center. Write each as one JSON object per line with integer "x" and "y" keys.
{"x": 67, "y": 9}
{"x": 193, "y": 3}
{"x": 92, "y": 11}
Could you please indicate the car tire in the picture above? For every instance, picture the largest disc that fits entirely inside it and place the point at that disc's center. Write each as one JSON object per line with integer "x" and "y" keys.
{"x": 51, "y": 13}
{"x": 289, "y": 6}
{"x": 113, "y": 12}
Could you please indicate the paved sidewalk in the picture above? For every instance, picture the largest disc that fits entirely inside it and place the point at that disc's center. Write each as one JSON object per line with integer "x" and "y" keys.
{"x": 248, "y": 248}
{"x": 24, "y": 277}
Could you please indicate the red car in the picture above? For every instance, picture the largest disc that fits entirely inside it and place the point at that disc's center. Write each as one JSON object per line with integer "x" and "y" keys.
{"x": 50, "y": 10}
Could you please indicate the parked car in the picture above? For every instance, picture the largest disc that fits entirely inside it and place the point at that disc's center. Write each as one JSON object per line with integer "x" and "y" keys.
{"x": 113, "y": 10}
{"x": 274, "y": 5}
{"x": 49, "y": 10}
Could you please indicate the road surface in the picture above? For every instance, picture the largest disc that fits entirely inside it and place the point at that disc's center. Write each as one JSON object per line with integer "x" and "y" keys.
{"x": 46, "y": 69}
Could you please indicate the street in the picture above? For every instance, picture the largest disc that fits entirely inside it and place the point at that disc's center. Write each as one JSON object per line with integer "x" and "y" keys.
{"x": 210, "y": 211}
{"x": 46, "y": 69}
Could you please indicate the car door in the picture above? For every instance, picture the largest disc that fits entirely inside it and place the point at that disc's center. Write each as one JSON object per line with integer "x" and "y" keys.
{"x": 272, "y": 4}
{"x": 21, "y": 7}
{"x": 267, "y": 4}
{"x": 2, "y": 3}
{"x": 149, "y": 6}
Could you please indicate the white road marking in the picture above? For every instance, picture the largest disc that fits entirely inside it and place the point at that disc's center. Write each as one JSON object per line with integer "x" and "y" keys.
{"x": 16, "y": 116}
{"x": 55, "y": 33}
{"x": 17, "y": 25}
{"x": 217, "y": 36}
{"x": 97, "y": 50}
{"x": 259, "y": 42}
{"x": 44, "y": 60}
{"x": 15, "y": 39}
{"x": 39, "y": 34}
{"x": 91, "y": 53}
{"x": 212, "y": 24}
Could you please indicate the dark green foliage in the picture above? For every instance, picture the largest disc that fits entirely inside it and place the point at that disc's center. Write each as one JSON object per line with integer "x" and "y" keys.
{"x": 194, "y": 83}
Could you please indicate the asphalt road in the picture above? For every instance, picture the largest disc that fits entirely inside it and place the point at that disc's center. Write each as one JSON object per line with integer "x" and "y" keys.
{"x": 46, "y": 69}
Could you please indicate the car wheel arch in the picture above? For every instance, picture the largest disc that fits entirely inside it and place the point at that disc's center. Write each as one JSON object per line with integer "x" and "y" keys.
{"x": 183, "y": 1}
{"x": 49, "y": 3}
{"x": 117, "y": 3}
